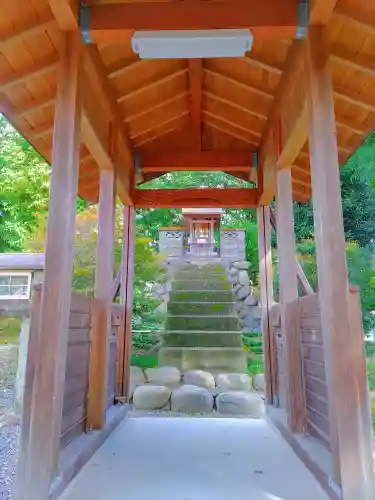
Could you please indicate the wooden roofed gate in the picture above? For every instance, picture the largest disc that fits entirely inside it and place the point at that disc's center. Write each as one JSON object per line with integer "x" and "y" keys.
{"x": 284, "y": 115}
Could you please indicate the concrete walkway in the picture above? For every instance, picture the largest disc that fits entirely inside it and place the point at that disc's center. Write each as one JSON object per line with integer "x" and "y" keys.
{"x": 194, "y": 459}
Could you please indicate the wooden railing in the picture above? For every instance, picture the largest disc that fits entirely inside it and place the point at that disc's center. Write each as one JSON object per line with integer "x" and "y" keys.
{"x": 319, "y": 409}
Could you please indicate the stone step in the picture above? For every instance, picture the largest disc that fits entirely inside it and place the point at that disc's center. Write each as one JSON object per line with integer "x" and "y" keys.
{"x": 203, "y": 339}
{"x": 213, "y": 359}
{"x": 201, "y": 296}
{"x": 198, "y": 274}
{"x": 206, "y": 267}
{"x": 219, "y": 323}
{"x": 213, "y": 285}
{"x": 201, "y": 308}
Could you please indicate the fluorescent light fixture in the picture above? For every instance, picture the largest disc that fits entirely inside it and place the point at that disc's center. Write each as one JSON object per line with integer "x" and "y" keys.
{"x": 186, "y": 44}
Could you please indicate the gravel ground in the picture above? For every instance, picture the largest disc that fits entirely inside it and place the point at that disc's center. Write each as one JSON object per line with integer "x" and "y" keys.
{"x": 9, "y": 431}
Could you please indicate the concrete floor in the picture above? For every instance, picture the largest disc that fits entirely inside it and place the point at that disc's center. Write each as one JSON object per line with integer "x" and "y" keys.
{"x": 194, "y": 459}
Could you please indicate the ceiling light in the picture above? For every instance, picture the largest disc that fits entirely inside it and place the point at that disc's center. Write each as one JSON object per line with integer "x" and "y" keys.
{"x": 188, "y": 44}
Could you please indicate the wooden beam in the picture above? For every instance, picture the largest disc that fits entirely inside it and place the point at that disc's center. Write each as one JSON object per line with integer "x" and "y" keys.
{"x": 363, "y": 15}
{"x": 39, "y": 69}
{"x": 123, "y": 69}
{"x": 195, "y": 86}
{"x": 346, "y": 427}
{"x": 229, "y": 102}
{"x": 153, "y": 85}
{"x": 241, "y": 86}
{"x": 252, "y": 61}
{"x": 224, "y": 120}
{"x": 157, "y": 107}
{"x": 160, "y": 124}
{"x": 45, "y": 427}
{"x": 101, "y": 317}
{"x": 125, "y": 331}
{"x": 155, "y": 134}
{"x": 236, "y": 161}
{"x": 115, "y": 22}
{"x": 32, "y": 107}
{"x": 359, "y": 101}
{"x": 196, "y": 198}
{"x": 267, "y": 300}
{"x": 290, "y": 101}
{"x": 34, "y": 28}
{"x": 360, "y": 63}
{"x": 218, "y": 125}
{"x": 66, "y": 13}
{"x": 289, "y": 307}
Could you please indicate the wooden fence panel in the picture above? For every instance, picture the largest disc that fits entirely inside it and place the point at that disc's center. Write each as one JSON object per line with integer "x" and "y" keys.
{"x": 77, "y": 370}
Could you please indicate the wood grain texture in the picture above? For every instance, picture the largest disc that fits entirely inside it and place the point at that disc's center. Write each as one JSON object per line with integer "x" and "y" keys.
{"x": 290, "y": 324}
{"x": 346, "y": 428}
{"x": 45, "y": 427}
{"x": 101, "y": 321}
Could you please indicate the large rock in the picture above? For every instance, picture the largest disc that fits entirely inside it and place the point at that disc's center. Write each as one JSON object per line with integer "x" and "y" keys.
{"x": 233, "y": 271}
{"x": 259, "y": 382}
{"x": 240, "y": 403}
{"x": 233, "y": 279}
{"x": 164, "y": 375}
{"x": 237, "y": 287}
{"x": 243, "y": 278}
{"x": 251, "y": 300}
{"x": 199, "y": 378}
{"x": 243, "y": 292}
{"x": 192, "y": 399}
{"x": 233, "y": 382}
{"x": 137, "y": 378}
{"x": 242, "y": 265}
{"x": 151, "y": 397}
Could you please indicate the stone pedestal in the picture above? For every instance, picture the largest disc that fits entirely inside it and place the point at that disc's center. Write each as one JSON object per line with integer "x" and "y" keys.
{"x": 232, "y": 244}
{"x": 171, "y": 242}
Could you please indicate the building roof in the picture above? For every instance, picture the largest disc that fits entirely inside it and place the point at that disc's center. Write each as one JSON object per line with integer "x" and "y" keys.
{"x": 21, "y": 261}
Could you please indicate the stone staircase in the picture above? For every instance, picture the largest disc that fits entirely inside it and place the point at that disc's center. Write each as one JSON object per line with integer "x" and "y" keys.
{"x": 202, "y": 329}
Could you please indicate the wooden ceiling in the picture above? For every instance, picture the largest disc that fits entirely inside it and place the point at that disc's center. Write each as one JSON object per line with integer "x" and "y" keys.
{"x": 203, "y": 114}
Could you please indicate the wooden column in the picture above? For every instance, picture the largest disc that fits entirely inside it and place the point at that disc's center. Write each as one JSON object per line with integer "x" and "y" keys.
{"x": 286, "y": 251}
{"x": 266, "y": 296}
{"x": 101, "y": 318}
{"x": 125, "y": 330}
{"x": 41, "y": 455}
{"x": 343, "y": 391}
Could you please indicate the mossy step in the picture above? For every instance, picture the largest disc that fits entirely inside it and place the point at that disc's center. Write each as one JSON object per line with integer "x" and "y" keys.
{"x": 213, "y": 267}
{"x": 200, "y": 308}
{"x": 213, "y": 359}
{"x": 219, "y": 323}
{"x": 195, "y": 274}
{"x": 202, "y": 339}
{"x": 201, "y": 296}
{"x": 212, "y": 285}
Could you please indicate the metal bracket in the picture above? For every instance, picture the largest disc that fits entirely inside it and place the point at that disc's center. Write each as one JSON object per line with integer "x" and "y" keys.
{"x": 254, "y": 160}
{"x": 84, "y": 23}
{"x": 302, "y": 19}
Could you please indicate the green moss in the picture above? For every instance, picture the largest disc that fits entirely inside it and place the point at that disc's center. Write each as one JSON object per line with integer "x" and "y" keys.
{"x": 144, "y": 361}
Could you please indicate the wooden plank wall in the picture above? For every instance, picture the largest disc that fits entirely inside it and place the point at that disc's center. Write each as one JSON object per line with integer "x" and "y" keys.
{"x": 314, "y": 369}
{"x": 77, "y": 369}
{"x": 117, "y": 312}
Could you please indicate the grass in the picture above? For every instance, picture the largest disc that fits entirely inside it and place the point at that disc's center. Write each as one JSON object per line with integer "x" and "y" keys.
{"x": 144, "y": 361}
{"x": 9, "y": 330}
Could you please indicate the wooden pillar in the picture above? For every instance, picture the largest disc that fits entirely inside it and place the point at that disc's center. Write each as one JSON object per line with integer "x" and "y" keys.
{"x": 288, "y": 283}
{"x": 125, "y": 330}
{"x": 346, "y": 427}
{"x": 101, "y": 318}
{"x": 266, "y": 297}
{"x": 41, "y": 456}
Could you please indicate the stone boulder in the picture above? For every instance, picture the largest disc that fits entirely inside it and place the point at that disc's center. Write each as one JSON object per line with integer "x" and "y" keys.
{"x": 251, "y": 300}
{"x": 243, "y": 278}
{"x": 233, "y": 382}
{"x": 259, "y": 382}
{"x": 242, "y": 265}
{"x": 199, "y": 378}
{"x": 243, "y": 292}
{"x": 240, "y": 403}
{"x": 233, "y": 280}
{"x": 151, "y": 397}
{"x": 137, "y": 378}
{"x": 192, "y": 399}
{"x": 233, "y": 272}
{"x": 164, "y": 375}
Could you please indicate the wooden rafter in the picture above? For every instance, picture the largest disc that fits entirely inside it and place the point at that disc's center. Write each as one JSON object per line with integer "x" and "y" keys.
{"x": 196, "y": 198}
{"x": 215, "y": 116}
{"x": 234, "y": 161}
{"x": 39, "y": 69}
{"x": 34, "y": 28}
{"x": 32, "y": 106}
{"x": 114, "y": 22}
{"x": 161, "y": 124}
{"x": 157, "y": 107}
{"x": 221, "y": 127}
{"x": 228, "y": 102}
{"x": 240, "y": 86}
{"x": 263, "y": 65}
{"x": 195, "y": 86}
{"x": 152, "y": 86}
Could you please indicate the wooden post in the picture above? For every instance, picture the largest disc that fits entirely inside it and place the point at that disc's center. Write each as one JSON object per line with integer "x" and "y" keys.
{"x": 346, "y": 428}
{"x": 125, "y": 330}
{"x": 39, "y": 464}
{"x": 101, "y": 319}
{"x": 289, "y": 310}
{"x": 266, "y": 297}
